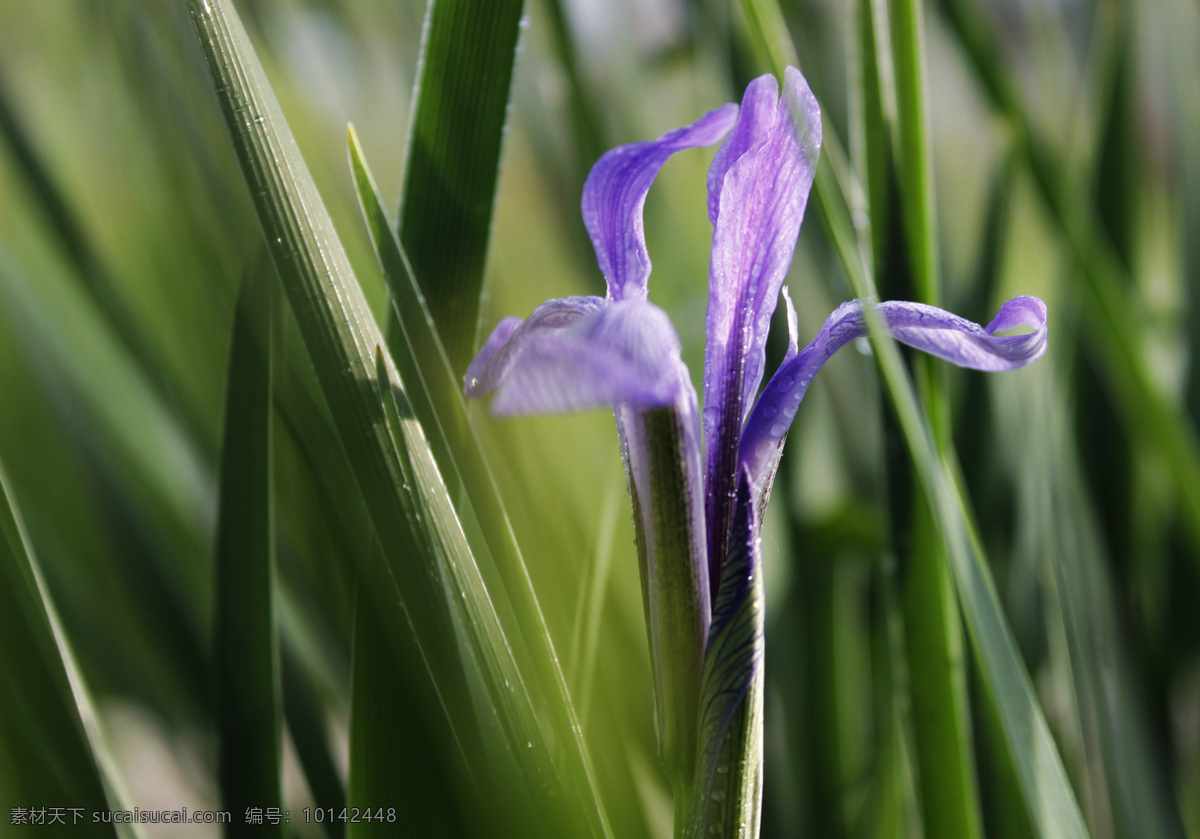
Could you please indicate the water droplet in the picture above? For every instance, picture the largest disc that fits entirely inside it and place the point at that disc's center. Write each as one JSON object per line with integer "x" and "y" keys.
{"x": 769, "y": 411}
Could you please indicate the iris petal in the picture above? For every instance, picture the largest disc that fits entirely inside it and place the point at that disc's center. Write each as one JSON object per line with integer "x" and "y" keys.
{"x": 490, "y": 367}
{"x": 926, "y": 328}
{"x": 761, "y": 200}
{"x": 615, "y": 193}
{"x": 578, "y": 353}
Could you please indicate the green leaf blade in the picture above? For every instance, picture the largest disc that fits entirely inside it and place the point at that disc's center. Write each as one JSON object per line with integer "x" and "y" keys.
{"x": 453, "y": 156}
{"x": 48, "y": 751}
{"x": 439, "y": 404}
{"x": 246, "y": 660}
{"x": 443, "y": 598}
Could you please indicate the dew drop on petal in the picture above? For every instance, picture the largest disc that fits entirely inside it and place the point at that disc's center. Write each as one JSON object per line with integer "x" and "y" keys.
{"x": 769, "y": 411}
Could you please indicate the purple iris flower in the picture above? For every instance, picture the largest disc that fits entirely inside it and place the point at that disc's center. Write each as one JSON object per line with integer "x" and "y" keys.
{"x": 585, "y": 352}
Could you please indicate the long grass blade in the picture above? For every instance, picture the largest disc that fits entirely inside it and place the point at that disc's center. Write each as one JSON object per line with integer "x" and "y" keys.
{"x": 454, "y": 145}
{"x": 1129, "y": 794}
{"x": 51, "y": 751}
{"x": 1043, "y": 778}
{"x": 308, "y": 727}
{"x": 438, "y": 402}
{"x": 245, "y": 655}
{"x": 434, "y": 573}
{"x": 946, "y": 776}
{"x": 1115, "y": 313}
{"x": 408, "y": 767}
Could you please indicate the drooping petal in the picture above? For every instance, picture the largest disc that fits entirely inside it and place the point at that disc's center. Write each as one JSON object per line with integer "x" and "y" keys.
{"x": 761, "y": 204}
{"x": 615, "y": 193}
{"x": 578, "y": 353}
{"x": 585, "y": 352}
{"x": 926, "y": 328}
{"x": 488, "y": 370}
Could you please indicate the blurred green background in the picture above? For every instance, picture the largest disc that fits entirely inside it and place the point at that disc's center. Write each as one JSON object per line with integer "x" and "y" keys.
{"x": 1066, "y": 165}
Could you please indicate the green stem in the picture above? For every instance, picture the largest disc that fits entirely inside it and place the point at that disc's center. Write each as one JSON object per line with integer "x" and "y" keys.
{"x": 675, "y": 592}
{"x": 933, "y": 632}
{"x": 727, "y": 795}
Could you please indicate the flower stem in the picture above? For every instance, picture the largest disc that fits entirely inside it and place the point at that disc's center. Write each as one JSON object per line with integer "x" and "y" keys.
{"x": 664, "y": 481}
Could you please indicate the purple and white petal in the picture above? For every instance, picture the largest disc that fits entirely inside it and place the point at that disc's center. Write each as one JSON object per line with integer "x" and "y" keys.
{"x": 488, "y": 370}
{"x": 581, "y": 353}
{"x": 615, "y": 193}
{"x": 760, "y": 104}
{"x": 793, "y": 330}
{"x": 926, "y": 328}
{"x": 761, "y": 205}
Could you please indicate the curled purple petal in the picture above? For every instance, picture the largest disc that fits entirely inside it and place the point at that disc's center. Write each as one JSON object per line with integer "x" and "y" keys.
{"x": 926, "y": 328}
{"x": 760, "y": 199}
{"x": 580, "y": 353}
{"x": 615, "y": 193}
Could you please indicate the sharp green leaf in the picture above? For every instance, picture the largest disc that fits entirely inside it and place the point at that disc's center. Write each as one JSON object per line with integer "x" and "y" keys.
{"x": 438, "y": 403}
{"x": 435, "y": 576}
{"x": 1039, "y": 767}
{"x": 453, "y": 160}
{"x": 51, "y": 749}
{"x": 1116, "y": 311}
{"x": 245, "y": 655}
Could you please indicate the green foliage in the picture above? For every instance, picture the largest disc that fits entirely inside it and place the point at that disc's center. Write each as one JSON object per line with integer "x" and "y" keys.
{"x": 245, "y": 654}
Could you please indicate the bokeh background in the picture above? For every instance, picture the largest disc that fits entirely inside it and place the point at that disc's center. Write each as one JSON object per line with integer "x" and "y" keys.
{"x": 1066, "y": 165}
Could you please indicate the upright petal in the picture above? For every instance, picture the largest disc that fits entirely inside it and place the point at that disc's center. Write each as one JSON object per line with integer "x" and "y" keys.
{"x": 761, "y": 204}
{"x": 578, "y": 353}
{"x": 615, "y": 193}
{"x": 760, "y": 103}
{"x": 926, "y": 328}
